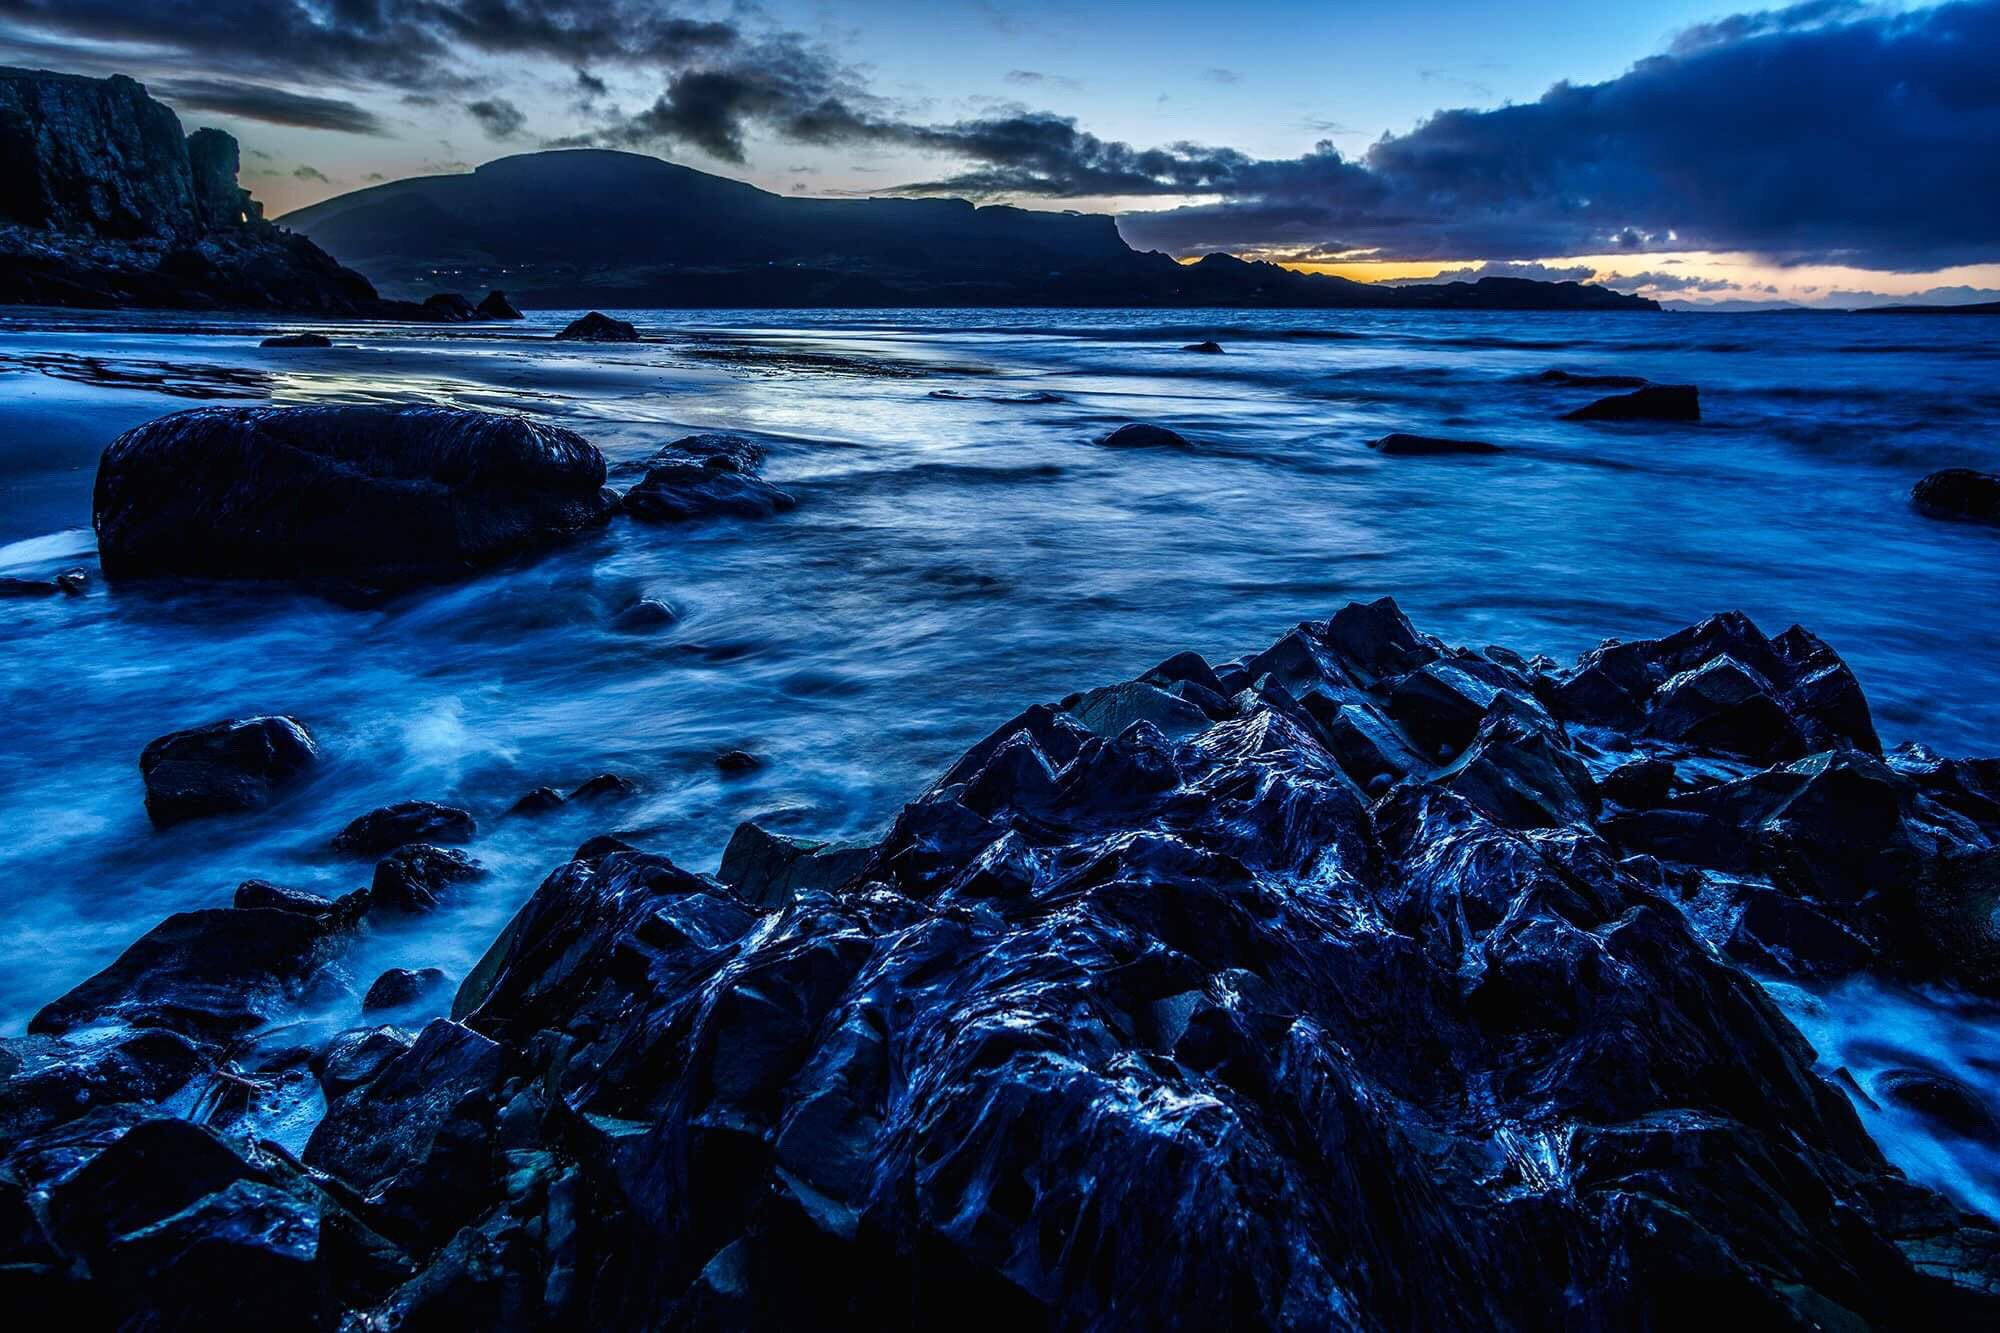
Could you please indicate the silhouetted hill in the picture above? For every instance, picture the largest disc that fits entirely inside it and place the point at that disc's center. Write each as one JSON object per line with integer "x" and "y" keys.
{"x": 591, "y": 227}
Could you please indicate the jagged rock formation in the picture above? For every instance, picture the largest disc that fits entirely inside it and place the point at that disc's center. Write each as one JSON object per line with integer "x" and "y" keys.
{"x": 103, "y": 202}
{"x": 1363, "y": 983}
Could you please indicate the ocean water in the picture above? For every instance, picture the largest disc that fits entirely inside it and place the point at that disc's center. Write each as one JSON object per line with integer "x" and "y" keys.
{"x": 958, "y": 553}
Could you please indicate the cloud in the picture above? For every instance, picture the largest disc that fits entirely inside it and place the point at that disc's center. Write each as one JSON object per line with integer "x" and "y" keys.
{"x": 590, "y": 85}
{"x": 306, "y": 173}
{"x": 1216, "y": 74}
{"x": 1672, "y": 282}
{"x": 497, "y": 116}
{"x": 274, "y": 106}
{"x": 1504, "y": 269}
{"x": 1820, "y": 133}
{"x": 1034, "y": 78}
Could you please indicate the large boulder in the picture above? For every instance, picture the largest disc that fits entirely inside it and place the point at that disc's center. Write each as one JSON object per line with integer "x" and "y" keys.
{"x": 706, "y": 475}
{"x": 375, "y": 496}
{"x": 405, "y": 822}
{"x": 224, "y": 767}
{"x": 497, "y": 306}
{"x": 1399, "y": 443}
{"x": 1959, "y": 492}
{"x": 1144, "y": 435}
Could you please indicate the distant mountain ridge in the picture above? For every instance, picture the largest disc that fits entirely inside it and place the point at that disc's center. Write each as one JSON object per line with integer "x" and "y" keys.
{"x": 574, "y": 227}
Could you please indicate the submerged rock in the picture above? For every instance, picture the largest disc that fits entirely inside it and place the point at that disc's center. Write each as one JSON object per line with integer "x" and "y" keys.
{"x": 381, "y": 496}
{"x": 1571, "y": 379}
{"x": 1959, "y": 492}
{"x": 1654, "y": 402}
{"x": 392, "y": 826}
{"x": 598, "y": 327}
{"x": 644, "y": 616}
{"x": 223, "y": 768}
{"x": 1420, "y": 445}
{"x": 1143, "y": 435}
{"x": 706, "y": 475}
{"x": 497, "y": 306}
{"x": 1208, "y": 348}
{"x": 298, "y": 340}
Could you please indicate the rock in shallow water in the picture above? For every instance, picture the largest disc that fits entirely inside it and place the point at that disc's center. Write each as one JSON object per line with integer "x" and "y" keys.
{"x": 222, "y": 768}
{"x": 1144, "y": 435}
{"x": 599, "y": 327}
{"x": 1654, "y": 402}
{"x": 704, "y": 475}
{"x": 374, "y": 496}
{"x": 1421, "y": 445}
{"x": 1147, "y": 1008}
{"x": 298, "y": 340}
{"x": 393, "y": 826}
{"x": 1959, "y": 492}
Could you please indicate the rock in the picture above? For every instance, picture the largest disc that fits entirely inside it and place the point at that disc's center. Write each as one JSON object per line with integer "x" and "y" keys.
{"x": 280, "y": 898}
{"x": 1945, "y": 1102}
{"x": 400, "y": 986}
{"x": 1411, "y": 446}
{"x": 11, "y": 587}
{"x": 606, "y": 786}
{"x": 738, "y": 762}
{"x": 1959, "y": 492}
{"x": 74, "y": 581}
{"x": 1141, "y": 435}
{"x": 540, "y": 801}
{"x": 356, "y": 1056}
{"x": 497, "y": 306}
{"x": 417, "y": 877}
{"x": 380, "y": 496}
{"x": 208, "y": 974}
{"x": 448, "y": 308}
{"x": 298, "y": 340}
{"x": 393, "y": 826}
{"x": 1209, "y": 348}
{"x": 1572, "y": 380}
{"x": 644, "y": 616}
{"x": 223, "y": 768}
{"x": 704, "y": 475}
{"x": 1655, "y": 402}
{"x": 1639, "y": 783}
{"x": 599, "y": 328}
{"x": 770, "y": 869}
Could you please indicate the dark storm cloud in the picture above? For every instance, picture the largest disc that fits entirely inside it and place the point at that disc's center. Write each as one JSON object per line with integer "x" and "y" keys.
{"x": 1789, "y": 134}
{"x": 274, "y": 106}
{"x": 305, "y": 173}
{"x": 497, "y": 116}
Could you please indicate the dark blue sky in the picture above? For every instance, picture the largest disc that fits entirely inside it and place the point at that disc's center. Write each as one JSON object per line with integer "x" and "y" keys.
{"x": 1806, "y": 152}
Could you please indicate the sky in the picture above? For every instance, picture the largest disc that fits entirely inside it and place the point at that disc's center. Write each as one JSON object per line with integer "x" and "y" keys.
{"x": 1829, "y": 152}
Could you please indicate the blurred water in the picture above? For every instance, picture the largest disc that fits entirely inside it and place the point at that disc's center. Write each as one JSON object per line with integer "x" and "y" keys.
{"x": 952, "y": 559}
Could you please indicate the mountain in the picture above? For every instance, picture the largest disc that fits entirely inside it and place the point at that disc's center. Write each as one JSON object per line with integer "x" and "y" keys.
{"x": 105, "y": 202}
{"x": 580, "y": 227}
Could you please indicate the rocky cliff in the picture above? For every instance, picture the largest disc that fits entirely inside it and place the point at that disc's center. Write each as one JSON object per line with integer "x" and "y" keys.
{"x": 105, "y": 202}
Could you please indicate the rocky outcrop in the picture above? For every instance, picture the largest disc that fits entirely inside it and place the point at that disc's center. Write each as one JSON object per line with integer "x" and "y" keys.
{"x": 703, "y": 476}
{"x": 1959, "y": 492}
{"x": 1144, "y": 435}
{"x": 103, "y": 203}
{"x": 1361, "y": 982}
{"x": 598, "y": 327}
{"x": 297, "y": 340}
{"x": 349, "y": 496}
{"x": 223, "y": 768}
{"x": 405, "y": 822}
{"x": 1654, "y": 402}
{"x": 497, "y": 306}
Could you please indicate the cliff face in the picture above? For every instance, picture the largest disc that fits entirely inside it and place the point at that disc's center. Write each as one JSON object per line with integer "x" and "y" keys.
{"x": 105, "y": 202}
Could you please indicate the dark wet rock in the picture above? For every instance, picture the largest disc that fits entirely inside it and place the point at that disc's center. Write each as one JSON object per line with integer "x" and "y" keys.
{"x": 1654, "y": 402}
{"x": 209, "y": 974}
{"x": 1959, "y": 492}
{"x": 770, "y": 869}
{"x": 704, "y": 475}
{"x": 1360, "y": 983}
{"x": 1143, "y": 435}
{"x": 1209, "y": 348}
{"x": 73, "y": 582}
{"x": 1944, "y": 1101}
{"x": 223, "y": 768}
{"x": 598, "y": 327}
{"x": 737, "y": 762}
{"x": 1573, "y": 380}
{"x": 262, "y": 893}
{"x": 448, "y": 308}
{"x": 644, "y": 616}
{"x": 379, "y": 497}
{"x": 46, "y": 1082}
{"x": 604, "y": 787}
{"x": 497, "y": 306}
{"x": 298, "y": 340}
{"x": 401, "y": 986}
{"x": 1419, "y": 446}
{"x": 417, "y": 877}
{"x": 11, "y": 587}
{"x": 392, "y": 826}
{"x": 540, "y": 801}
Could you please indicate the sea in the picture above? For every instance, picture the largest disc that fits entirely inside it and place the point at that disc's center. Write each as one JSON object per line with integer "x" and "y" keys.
{"x": 961, "y": 549}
